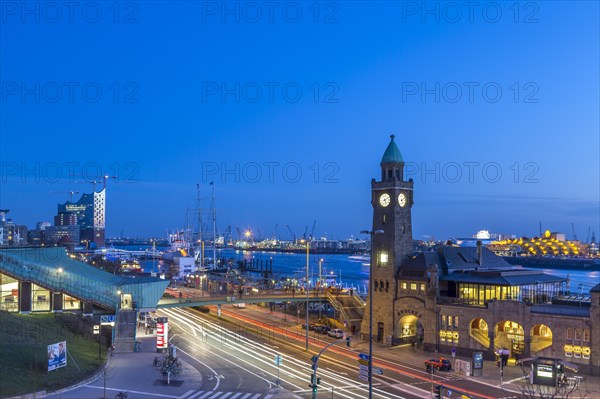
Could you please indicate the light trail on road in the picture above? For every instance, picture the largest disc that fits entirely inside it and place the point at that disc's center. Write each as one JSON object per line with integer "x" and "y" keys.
{"x": 264, "y": 355}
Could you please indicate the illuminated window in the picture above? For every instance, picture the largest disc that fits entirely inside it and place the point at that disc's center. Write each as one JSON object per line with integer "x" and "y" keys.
{"x": 569, "y": 333}
{"x": 586, "y": 335}
{"x": 383, "y": 259}
{"x": 577, "y": 335}
{"x": 585, "y": 352}
{"x": 568, "y": 350}
{"x": 423, "y": 287}
{"x": 403, "y": 285}
{"x": 444, "y": 321}
{"x": 450, "y": 321}
{"x": 455, "y": 321}
{"x": 413, "y": 286}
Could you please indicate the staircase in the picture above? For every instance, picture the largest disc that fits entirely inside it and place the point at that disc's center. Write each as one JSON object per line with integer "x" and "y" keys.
{"x": 125, "y": 330}
{"x": 349, "y": 308}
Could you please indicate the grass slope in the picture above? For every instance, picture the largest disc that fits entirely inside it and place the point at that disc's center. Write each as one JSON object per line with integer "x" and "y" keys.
{"x": 23, "y": 352}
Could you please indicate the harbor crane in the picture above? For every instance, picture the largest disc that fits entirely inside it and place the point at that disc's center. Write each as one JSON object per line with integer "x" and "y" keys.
{"x": 574, "y": 234}
{"x": 70, "y": 193}
{"x": 239, "y": 233}
{"x": 312, "y": 232}
{"x": 291, "y": 232}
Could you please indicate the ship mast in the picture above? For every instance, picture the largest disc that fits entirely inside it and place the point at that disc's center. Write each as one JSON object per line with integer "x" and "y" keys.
{"x": 214, "y": 220}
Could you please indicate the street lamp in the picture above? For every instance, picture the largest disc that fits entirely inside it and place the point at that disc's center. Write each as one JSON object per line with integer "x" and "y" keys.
{"x": 320, "y": 286}
{"x": 306, "y": 289}
{"x": 371, "y": 234}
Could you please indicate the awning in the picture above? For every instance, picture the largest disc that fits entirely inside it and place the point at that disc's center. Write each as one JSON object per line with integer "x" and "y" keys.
{"x": 569, "y": 365}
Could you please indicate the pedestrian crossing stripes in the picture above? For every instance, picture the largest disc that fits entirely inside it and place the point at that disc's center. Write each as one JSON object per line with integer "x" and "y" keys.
{"x": 223, "y": 395}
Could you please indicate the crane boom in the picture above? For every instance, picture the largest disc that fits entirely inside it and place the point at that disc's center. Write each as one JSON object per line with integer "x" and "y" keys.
{"x": 291, "y": 232}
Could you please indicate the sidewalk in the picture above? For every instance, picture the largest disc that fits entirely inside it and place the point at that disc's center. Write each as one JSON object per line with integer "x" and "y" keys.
{"x": 134, "y": 373}
{"x": 512, "y": 375}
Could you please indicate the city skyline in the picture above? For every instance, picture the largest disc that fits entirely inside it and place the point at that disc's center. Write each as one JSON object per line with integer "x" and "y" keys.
{"x": 480, "y": 159}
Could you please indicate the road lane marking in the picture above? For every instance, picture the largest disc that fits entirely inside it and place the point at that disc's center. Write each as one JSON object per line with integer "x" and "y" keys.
{"x": 130, "y": 391}
{"x": 188, "y": 393}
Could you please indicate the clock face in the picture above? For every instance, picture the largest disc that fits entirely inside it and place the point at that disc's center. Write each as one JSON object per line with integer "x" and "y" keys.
{"x": 402, "y": 199}
{"x": 384, "y": 200}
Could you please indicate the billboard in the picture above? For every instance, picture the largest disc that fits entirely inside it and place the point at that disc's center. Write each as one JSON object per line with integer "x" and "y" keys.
{"x": 57, "y": 355}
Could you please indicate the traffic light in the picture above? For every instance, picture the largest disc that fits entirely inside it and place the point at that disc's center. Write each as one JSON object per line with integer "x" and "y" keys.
{"x": 348, "y": 341}
{"x": 314, "y": 359}
{"x": 437, "y": 392}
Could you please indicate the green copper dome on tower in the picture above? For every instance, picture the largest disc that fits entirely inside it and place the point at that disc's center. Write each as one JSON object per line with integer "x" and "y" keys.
{"x": 392, "y": 153}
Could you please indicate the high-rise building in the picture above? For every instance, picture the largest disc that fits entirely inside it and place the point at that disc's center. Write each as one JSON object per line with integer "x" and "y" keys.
{"x": 90, "y": 213}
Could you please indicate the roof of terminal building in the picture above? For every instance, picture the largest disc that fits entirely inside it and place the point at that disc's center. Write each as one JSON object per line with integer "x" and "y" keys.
{"x": 561, "y": 310}
{"x": 392, "y": 153}
{"x": 54, "y": 269}
{"x": 463, "y": 264}
{"x": 498, "y": 277}
{"x": 596, "y": 288}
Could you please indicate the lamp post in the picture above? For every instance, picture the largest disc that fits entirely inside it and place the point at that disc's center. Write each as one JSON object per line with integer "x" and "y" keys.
{"x": 306, "y": 289}
{"x": 116, "y": 316}
{"x": 371, "y": 234}
{"x": 320, "y": 286}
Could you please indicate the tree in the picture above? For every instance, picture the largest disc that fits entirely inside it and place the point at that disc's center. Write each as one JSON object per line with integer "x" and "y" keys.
{"x": 171, "y": 367}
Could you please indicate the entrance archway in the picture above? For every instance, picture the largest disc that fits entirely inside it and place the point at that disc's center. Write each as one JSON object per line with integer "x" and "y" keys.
{"x": 478, "y": 330}
{"x": 541, "y": 337}
{"x": 409, "y": 330}
{"x": 510, "y": 335}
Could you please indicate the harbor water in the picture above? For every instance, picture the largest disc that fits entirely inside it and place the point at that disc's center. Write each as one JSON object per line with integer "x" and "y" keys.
{"x": 346, "y": 272}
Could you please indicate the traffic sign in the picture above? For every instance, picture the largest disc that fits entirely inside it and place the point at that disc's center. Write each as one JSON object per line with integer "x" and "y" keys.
{"x": 96, "y": 328}
{"x": 363, "y": 361}
{"x": 108, "y": 320}
{"x": 278, "y": 360}
{"x": 377, "y": 371}
{"x": 363, "y": 356}
{"x": 363, "y": 377}
{"x": 362, "y": 367}
{"x": 449, "y": 392}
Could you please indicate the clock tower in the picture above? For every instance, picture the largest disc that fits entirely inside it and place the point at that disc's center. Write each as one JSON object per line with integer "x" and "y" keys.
{"x": 392, "y": 200}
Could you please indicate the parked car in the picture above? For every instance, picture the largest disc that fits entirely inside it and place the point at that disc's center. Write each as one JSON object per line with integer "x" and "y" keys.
{"x": 322, "y": 329}
{"x": 336, "y": 333}
{"x": 438, "y": 363}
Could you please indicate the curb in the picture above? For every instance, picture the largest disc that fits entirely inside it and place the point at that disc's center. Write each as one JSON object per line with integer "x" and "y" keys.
{"x": 89, "y": 380}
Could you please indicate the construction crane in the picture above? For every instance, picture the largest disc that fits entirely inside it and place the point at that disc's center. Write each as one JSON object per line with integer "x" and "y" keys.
{"x": 70, "y": 193}
{"x": 588, "y": 236}
{"x": 291, "y": 232}
{"x": 574, "y": 234}
{"x": 227, "y": 235}
{"x": 105, "y": 178}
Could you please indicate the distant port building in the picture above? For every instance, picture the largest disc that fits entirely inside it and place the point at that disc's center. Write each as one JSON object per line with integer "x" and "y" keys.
{"x": 468, "y": 298}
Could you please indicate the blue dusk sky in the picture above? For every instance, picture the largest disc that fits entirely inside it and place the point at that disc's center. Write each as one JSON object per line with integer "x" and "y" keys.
{"x": 287, "y": 107}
